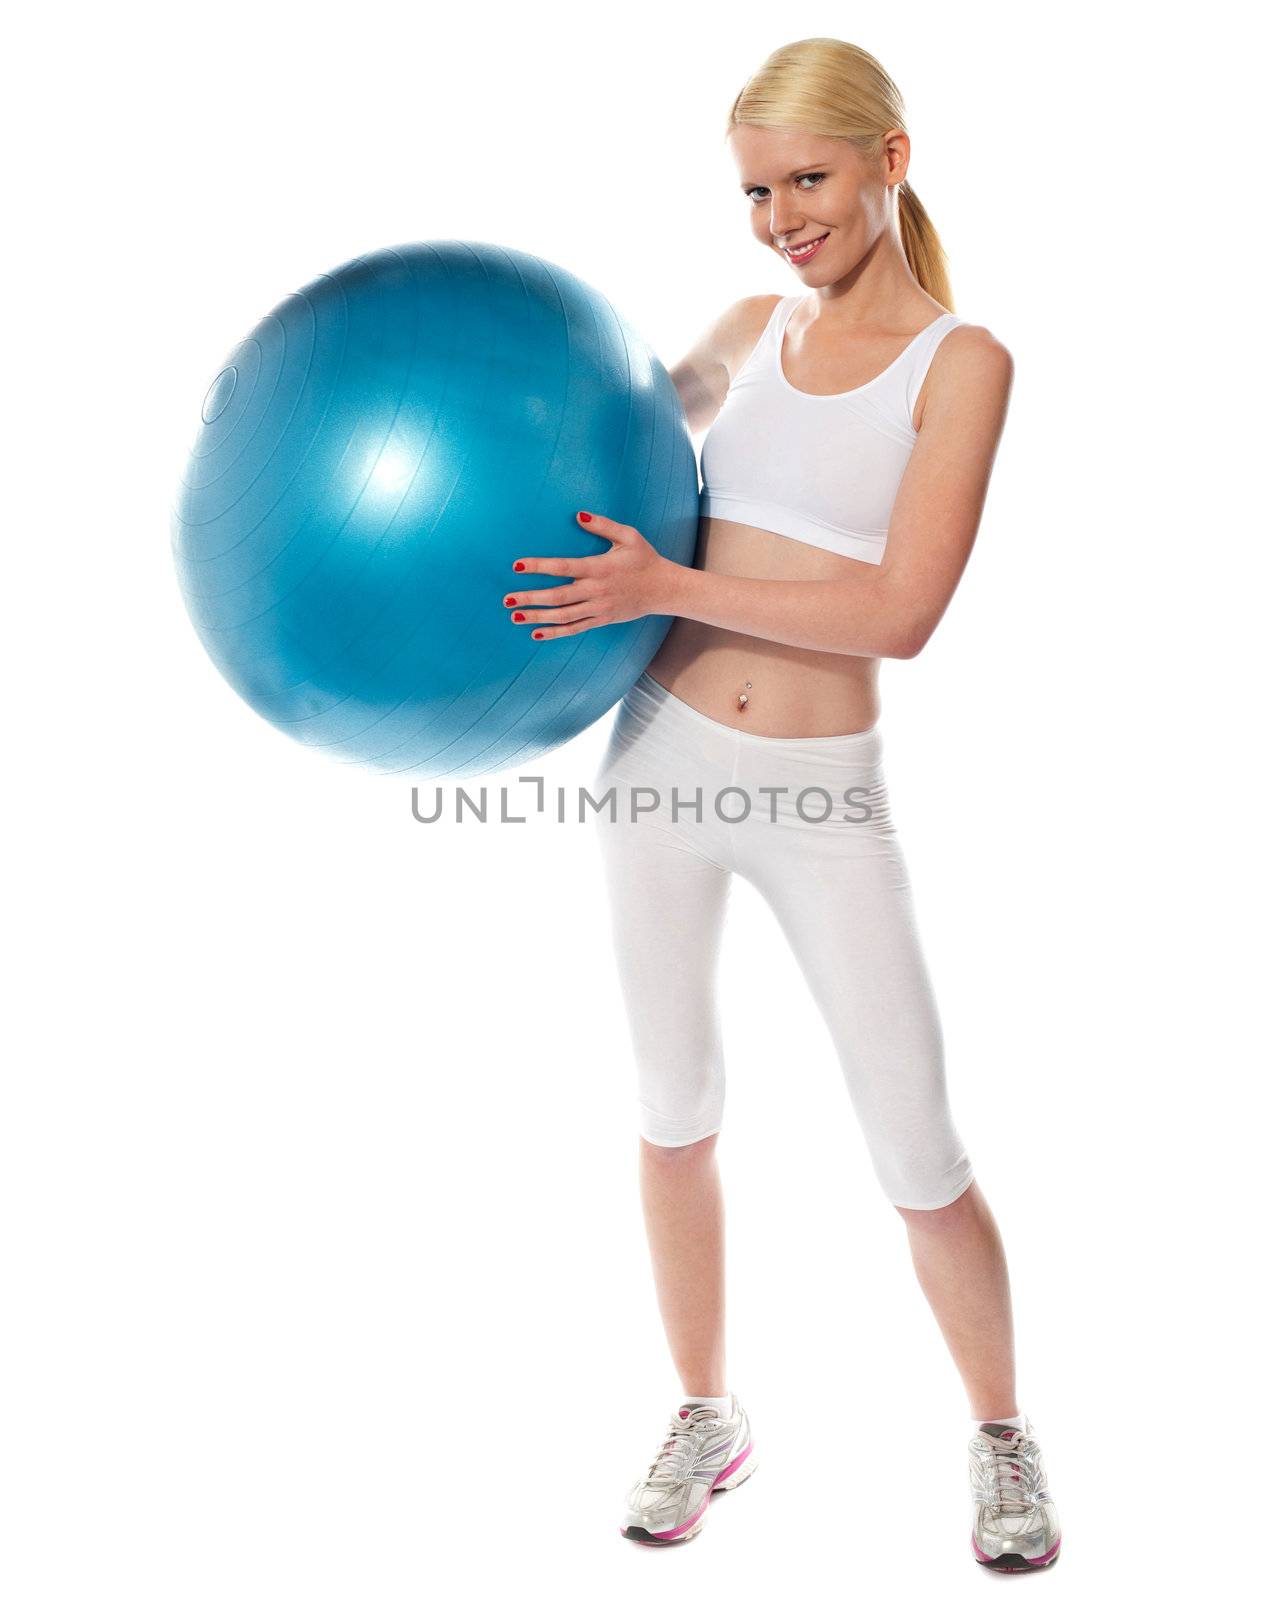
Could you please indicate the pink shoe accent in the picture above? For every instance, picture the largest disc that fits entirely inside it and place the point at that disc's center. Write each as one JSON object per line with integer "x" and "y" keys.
{"x": 726, "y": 1471}
{"x": 1039, "y": 1561}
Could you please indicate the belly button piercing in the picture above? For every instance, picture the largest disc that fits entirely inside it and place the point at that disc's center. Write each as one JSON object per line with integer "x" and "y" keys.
{"x": 743, "y": 699}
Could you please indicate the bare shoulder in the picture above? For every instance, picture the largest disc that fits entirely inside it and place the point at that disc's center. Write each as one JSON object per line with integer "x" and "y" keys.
{"x": 971, "y": 365}
{"x": 707, "y": 370}
{"x": 975, "y": 351}
{"x": 753, "y": 310}
{"x": 740, "y": 326}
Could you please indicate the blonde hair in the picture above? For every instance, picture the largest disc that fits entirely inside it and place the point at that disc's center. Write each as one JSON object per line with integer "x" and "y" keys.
{"x": 829, "y": 87}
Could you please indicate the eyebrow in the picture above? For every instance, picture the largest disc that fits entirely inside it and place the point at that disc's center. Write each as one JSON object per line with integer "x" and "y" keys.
{"x": 796, "y": 172}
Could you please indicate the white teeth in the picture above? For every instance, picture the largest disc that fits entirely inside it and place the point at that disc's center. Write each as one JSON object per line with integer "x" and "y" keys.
{"x": 798, "y": 255}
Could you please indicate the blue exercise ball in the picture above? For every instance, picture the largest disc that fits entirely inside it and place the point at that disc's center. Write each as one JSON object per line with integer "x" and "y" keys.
{"x": 369, "y": 463}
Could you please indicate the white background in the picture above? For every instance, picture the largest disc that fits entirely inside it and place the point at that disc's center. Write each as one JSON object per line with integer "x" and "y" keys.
{"x": 322, "y": 1252}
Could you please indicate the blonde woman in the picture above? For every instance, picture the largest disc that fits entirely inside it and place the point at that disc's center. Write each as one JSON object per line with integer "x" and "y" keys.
{"x": 851, "y": 430}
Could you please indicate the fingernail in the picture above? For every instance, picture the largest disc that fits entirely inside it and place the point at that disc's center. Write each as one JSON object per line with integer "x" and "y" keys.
{"x": 510, "y": 601}
{"x": 518, "y": 617}
{"x": 520, "y": 566}
{"x": 537, "y": 636}
{"x": 585, "y": 517}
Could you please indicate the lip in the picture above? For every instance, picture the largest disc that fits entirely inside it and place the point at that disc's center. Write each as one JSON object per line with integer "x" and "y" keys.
{"x": 801, "y": 260}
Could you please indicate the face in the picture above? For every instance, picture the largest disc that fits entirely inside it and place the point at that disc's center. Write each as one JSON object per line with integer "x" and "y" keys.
{"x": 800, "y": 187}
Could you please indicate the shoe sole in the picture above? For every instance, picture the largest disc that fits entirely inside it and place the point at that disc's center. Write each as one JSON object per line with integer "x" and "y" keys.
{"x": 1012, "y": 1563}
{"x": 730, "y": 1477}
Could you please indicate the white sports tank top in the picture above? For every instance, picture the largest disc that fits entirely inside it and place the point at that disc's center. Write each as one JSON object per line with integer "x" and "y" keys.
{"x": 822, "y": 468}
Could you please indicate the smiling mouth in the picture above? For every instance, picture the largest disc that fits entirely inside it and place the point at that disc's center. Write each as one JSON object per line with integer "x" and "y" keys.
{"x": 805, "y": 250}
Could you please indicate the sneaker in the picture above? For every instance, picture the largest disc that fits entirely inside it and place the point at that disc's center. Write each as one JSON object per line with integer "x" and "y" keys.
{"x": 1015, "y": 1520}
{"x": 701, "y": 1455}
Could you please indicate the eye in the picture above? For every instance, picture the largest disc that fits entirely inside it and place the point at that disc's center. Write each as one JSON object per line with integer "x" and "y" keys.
{"x": 760, "y": 188}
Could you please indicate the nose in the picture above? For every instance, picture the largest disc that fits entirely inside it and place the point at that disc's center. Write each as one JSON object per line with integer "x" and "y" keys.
{"x": 784, "y": 220}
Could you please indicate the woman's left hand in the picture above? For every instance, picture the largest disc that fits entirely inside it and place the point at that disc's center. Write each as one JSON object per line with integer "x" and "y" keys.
{"x": 627, "y": 581}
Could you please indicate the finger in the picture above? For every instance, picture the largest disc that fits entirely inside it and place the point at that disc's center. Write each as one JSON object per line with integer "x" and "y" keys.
{"x": 545, "y": 634}
{"x": 544, "y": 597}
{"x": 554, "y": 566}
{"x": 592, "y": 522}
{"x": 575, "y": 613}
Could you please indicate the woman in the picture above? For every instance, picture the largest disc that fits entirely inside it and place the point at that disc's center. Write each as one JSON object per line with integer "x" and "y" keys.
{"x": 853, "y": 428}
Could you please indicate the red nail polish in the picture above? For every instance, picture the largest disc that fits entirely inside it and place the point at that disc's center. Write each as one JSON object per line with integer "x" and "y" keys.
{"x": 518, "y": 617}
{"x": 537, "y": 636}
{"x": 510, "y": 601}
{"x": 585, "y": 517}
{"x": 520, "y": 566}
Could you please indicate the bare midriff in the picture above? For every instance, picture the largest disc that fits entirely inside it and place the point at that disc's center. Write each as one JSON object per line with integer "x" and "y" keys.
{"x": 790, "y": 693}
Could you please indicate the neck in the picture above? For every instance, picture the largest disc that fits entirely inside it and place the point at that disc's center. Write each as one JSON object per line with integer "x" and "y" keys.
{"x": 879, "y": 290}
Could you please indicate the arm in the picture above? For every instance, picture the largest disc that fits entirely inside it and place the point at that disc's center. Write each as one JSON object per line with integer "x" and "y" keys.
{"x": 891, "y": 609}
{"x": 886, "y": 610}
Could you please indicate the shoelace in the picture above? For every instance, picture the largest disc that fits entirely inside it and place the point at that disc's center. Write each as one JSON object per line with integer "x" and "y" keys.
{"x": 676, "y": 1456}
{"x": 1012, "y": 1476}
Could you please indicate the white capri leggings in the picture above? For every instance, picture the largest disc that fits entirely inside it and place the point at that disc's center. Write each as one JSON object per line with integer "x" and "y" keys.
{"x": 807, "y": 822}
